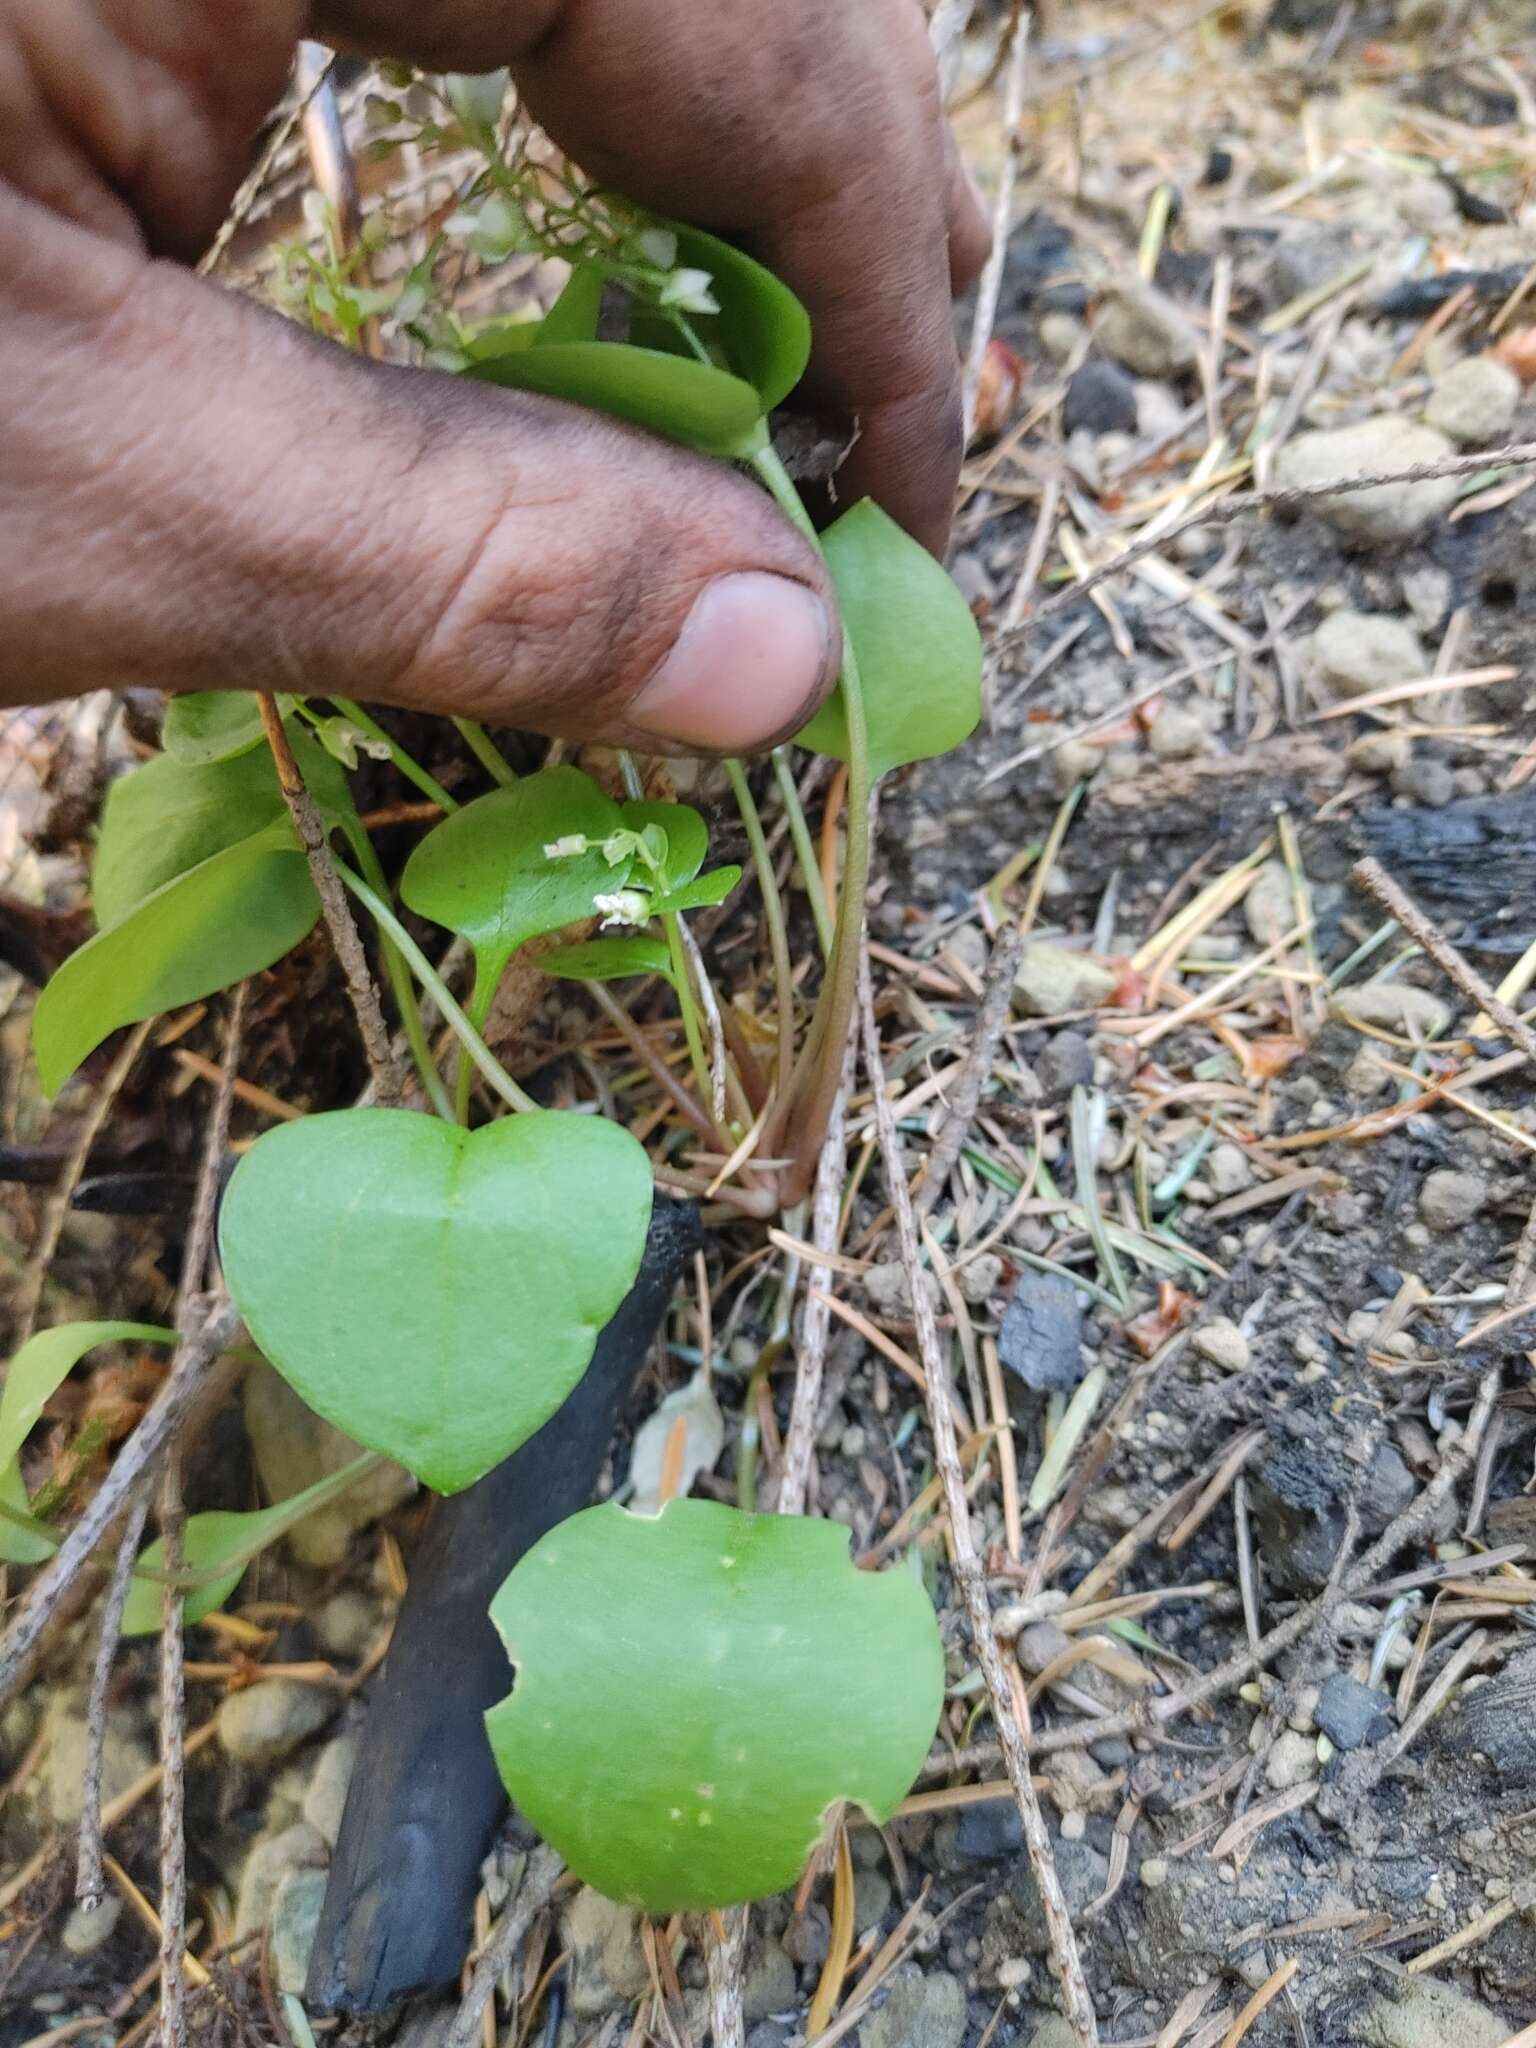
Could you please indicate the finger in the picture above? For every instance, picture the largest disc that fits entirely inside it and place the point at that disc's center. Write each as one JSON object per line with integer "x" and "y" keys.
{"x": 970, "y": 233}
{"x": 194, "y": 494}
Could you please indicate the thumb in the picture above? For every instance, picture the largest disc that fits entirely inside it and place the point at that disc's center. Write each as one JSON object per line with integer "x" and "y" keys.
{"x": 196, "y": 494}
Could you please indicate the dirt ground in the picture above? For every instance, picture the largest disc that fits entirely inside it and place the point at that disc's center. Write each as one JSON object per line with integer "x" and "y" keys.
{"x": 1243, "y": 1217}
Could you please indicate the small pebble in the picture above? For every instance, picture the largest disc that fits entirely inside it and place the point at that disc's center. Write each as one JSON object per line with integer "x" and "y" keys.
{"x": 1223, "y": 1344}
{"x": 1227, "y": 1170}
{"x": 1073, "y": 1827}
{"x": 1474, "y": 402}
{"x": 1450, "y": 1198}
{"x": 1178, "y": 735}
{"x": 1291, "y": 1761}
{"x": 1154, "y": 1872}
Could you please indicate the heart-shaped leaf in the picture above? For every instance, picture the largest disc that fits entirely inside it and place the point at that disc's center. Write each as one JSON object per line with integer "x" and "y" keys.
{"x": 673, "y": 395}
{"x": 762, "y": 330}
{"x": 694, "y": 1692}
{"x": 918, "y": 649}
{"x": 573, "y": 316}
{"x": 226, "y": 1542}
{"x": 433, "y": 1291}
{"x": 229, "y": 917}
{"x": 608, "y": 959}
{"x": 488, "y": 874}
{"x": 211, "y": 725}
{"x": 42, "y": 1364}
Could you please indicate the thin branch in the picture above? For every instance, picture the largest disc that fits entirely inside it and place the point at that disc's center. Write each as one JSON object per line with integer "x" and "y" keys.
{"x": 991, "y": 1017}
{"x": 725, "y": 1951}
{"x": 990, "y": 287}
{"x": 30, "y": 1293}
{"x": 388, "y": 1085}
{"x": 165, "y": 1415}
{"x": 816, "y": 1324}
{"x": 967, "y": 1565}
{"x": 1370, "y": 876}
{"x": 544, "y": 1868}
{"x": 173, "y": 1782}
{"x": 90, "y": 1882}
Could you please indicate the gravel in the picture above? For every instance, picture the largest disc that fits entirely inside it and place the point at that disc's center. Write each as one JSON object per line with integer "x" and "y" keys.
{"x": 1360, "y": 651}
{"x": 1474, "y": 402}
{"x": 1386, "y": 514}
{"x": 1451, "y": 1197}
{"x": 1351, "y": 1714}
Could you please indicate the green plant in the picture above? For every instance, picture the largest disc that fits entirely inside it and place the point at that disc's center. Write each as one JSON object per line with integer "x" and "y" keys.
{"x": 436, "y": 1289}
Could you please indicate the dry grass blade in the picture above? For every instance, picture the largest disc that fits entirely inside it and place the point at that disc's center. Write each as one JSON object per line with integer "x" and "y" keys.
{"x": 539, "y": 1880}
{"x": 967, "y": 1565}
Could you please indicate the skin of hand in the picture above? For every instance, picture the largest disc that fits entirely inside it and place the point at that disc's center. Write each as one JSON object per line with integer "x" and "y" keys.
{"x": 196, "y": 494}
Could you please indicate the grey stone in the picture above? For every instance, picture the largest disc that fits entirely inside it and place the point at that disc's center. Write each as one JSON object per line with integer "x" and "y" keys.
{"x": 889, "y": 1287}
{"x": 1083, "y": 1874}
{"x": 871, "y": 1898}
{"x": 1351, "y": 1714}
{"x": 768, "y": 1982}
{"x": 1360, "y": 651}
{"x": 263, "y": 1723}
{"x": 271, "y": 1859}
{"x": 1269, "y": 907}
{"x": 1041, "y": 1338}
{"x": 1060, "y": 334}
{"x": 126, "y": 1756}
{"x": 607, "y": 1960}
{"x": 347, "y": 1625}
{"x": 295, "y": 1917}
{"x": 1065, "y": 1063}
{"x": 1054, "y": 2032}
{"x": 1227, "y": 1169}
{"x": 1384, "y": 514}
{"x": 1100, "y": 397}
{"x": 1052, "y": 981}
{"x": 769, "y": 2034}
{"x": 1429, "y": 783}
{"x": 991, "y": 1833}
{"x": 293, "y": 1449}
{"x": 1449, "y": 1198}
{"x": 89, "y": 1928}
{"x": 1418, "y": 2012}
{"x": 980, "y": 1277}
{"x": 808, "y": 1938}
{"x": 327, "y": 1793}
{"x": 1395, "y": 1006}
{"x": 921, "y": 2010}
{"x": 1474, "y": 401}
{"x": 1141, "y": 328}
{"x": 1291, "y": 1761}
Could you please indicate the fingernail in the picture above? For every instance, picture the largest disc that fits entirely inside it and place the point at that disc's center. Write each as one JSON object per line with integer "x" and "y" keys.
{"x": 751, "y": 662}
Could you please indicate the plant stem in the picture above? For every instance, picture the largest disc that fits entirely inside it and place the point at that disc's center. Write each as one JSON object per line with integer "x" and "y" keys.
{"x": 410, "y": 769}
{"x": 400, "y": 982}
{"x": 800, "y": 1123}
{"x": 778, "y": 938}
{"x": 435, "y": 986}
{"x": 805, "y": 852}
{"x": 479, "y": 1008}
{"x": 683, "y": 983}
{"x": 485, "y": 751}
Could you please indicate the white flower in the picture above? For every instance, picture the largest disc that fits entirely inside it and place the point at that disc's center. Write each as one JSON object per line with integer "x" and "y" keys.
{"x": 563, "y": 849}
{"x": 689, "y": 291}
{"x": 624, "y": 906}
{"x": 476, "y": 97}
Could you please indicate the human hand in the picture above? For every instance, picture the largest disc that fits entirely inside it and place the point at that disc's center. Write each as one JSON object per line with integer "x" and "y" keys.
{"x": 195, "y": 494}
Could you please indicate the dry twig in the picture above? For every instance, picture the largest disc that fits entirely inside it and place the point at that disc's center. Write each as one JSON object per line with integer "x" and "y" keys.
{"x": 539, "y": 1879}
{"x": 991, "y": 1018}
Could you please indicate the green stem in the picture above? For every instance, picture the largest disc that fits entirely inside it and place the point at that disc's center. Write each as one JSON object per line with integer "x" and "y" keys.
{"x": 411, "y": 770}
{"x": 803, "y": 1121}
{"x": 773, "y": 913}
{"x": 400, "y": 978}
{"x": 485, "y": 751}
{"x": 805, "y": 852}
{"x": 437, "y": 989}
{"x": 480, "y": 1001}
{"x": 682, "y": 981}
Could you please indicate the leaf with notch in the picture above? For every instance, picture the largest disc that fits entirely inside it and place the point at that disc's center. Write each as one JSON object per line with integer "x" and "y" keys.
{"x": 759, "y": 1679}
{"x": 918, "y": 649}
{"x": 687, "y": 401}
{"x": 435, "y": 1292}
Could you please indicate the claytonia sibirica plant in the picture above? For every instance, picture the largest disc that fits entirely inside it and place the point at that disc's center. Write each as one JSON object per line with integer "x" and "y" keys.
{"x": 435, "y": 1285}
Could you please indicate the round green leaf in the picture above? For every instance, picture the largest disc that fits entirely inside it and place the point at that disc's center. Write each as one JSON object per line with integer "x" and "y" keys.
{"x": 918, "y": 649}
{"x": 762, "y": 330}
{"x": 211, "y": 725}
{"x": 608, "y": 959}
{"x": 486, "y": 874}
{"x": 701, "y": 893}
{"x": 229, "y": 917}
{"x": 435, "y": 1292}
{"x": 672, "y": 395}
{"x": 694, "y": 1691}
